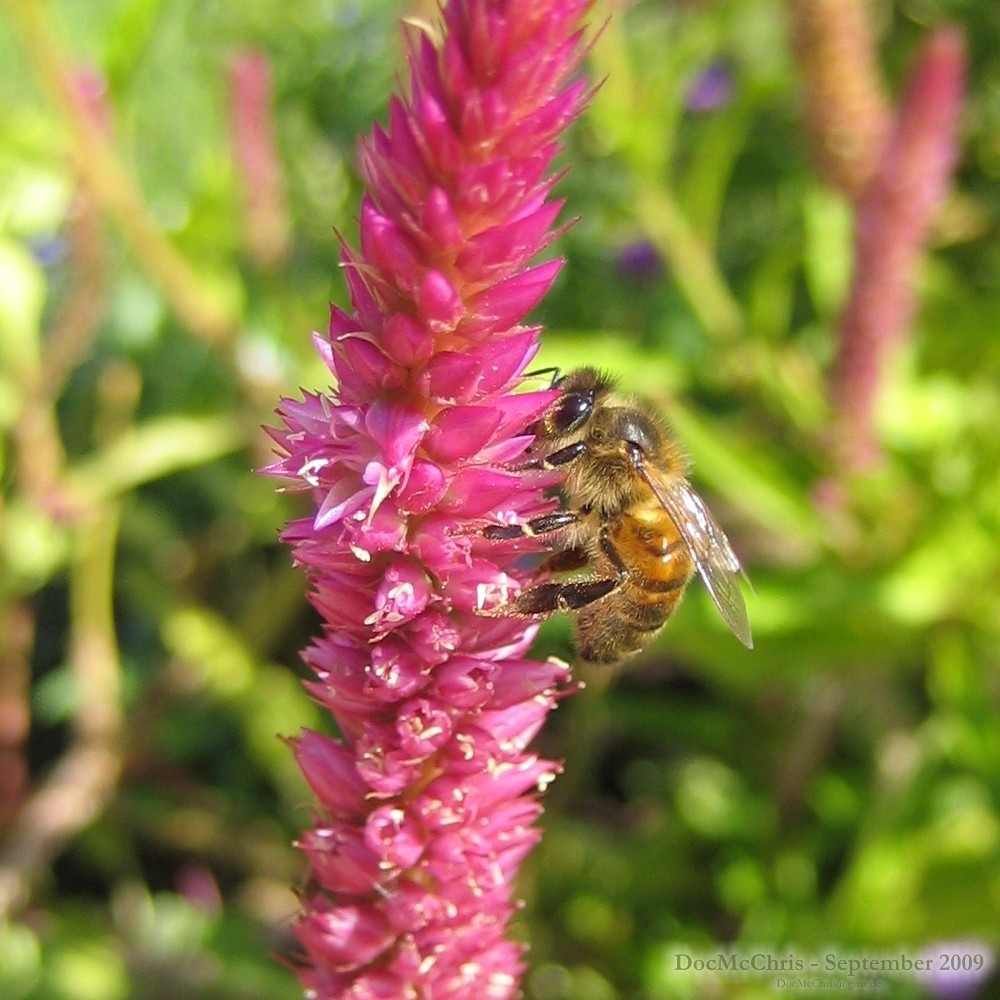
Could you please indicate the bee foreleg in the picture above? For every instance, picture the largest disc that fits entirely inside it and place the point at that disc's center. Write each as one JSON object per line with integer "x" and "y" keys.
{"x": 562, "y": 456}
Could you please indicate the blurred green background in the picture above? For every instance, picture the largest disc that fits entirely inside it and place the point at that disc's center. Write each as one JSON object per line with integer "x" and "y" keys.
{"x": 835, "y": 790}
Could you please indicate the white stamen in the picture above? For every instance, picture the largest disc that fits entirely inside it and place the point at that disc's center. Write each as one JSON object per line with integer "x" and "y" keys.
{"x": 309, "y": 471}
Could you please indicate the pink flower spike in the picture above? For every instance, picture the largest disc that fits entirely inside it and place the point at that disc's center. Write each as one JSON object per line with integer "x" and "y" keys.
{"x": 427, "y": 802}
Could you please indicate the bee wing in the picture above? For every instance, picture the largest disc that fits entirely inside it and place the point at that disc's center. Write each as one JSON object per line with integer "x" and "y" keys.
{"x": 713, "y": 555}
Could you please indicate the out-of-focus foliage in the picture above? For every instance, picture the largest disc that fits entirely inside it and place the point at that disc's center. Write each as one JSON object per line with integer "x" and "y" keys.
{"x": 837, "y": 790}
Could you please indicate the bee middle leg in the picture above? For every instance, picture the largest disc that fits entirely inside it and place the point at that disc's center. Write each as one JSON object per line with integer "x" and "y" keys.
{"x": 546, "y": 524}
{"x": 573, "y": 595}
{"x": 554, "y": 459}
{"x": 568, "y": 595}
{"x": 536, "y": 602}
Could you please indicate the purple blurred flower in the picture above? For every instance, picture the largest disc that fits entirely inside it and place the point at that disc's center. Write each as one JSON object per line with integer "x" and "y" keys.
{"x": 959, "y": 968}
{"x": 712, "y": 88}
{"x": 426, "y": 805}
{"x": 49, "y": 251}
{"x": 639, "y": 261}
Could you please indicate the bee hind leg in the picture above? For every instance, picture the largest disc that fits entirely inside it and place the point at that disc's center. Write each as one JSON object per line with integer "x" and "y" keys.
{"x": 545, "y": 598}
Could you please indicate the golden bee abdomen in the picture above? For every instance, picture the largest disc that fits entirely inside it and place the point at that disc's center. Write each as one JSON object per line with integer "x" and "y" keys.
{"x": 657, "y": 567}
{"x": 652, "y": 550}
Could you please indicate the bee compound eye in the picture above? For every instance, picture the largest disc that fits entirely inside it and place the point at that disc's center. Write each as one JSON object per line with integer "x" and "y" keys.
{"x": 572, "y": 412}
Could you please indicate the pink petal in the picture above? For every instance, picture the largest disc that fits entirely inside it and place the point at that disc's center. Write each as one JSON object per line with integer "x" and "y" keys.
{"x": 508, "y": 302}
{"x": 440, "y": 305}
{"x": 504, "y": 358}
{"x": 406, "y": 340}
{"x": 475, "y": 491}
{"x": 509, "y": 245}
{"x": 459, "y": 432}
{"x": 394, "y": 836}
{"x": 403, "y": 593}
{"x": 387, "y": 247}
{"x": 329, "y": 768}
{"x": 424, "y": 487}
{"x": 452, "y": 377}
{"x": 423, "y": 728}
{"x": 439, "y": 221}
{"x": 345, "y": 937}
{"x": 341, "y": 860}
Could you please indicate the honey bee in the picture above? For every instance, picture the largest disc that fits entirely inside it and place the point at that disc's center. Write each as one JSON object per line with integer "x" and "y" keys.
{"x": 631, "y": 518}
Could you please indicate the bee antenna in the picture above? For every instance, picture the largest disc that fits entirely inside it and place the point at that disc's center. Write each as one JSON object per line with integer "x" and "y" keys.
{"x": 539, "y": 372}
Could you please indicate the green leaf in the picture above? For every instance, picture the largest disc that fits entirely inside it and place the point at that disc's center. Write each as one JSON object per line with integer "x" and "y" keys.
{"x": 20, "y": 961}
{"x": 829, "y": 250}
{"x": 22, "y": 296}
{"x": 33, "y": 547}
{"x": 153, "y": 450}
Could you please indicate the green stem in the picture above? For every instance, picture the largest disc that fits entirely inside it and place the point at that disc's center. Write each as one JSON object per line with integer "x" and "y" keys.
{"x": 691, "y": 264}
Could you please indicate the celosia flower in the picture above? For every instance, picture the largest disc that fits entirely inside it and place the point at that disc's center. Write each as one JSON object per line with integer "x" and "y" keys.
{"x": 427, "y": 802}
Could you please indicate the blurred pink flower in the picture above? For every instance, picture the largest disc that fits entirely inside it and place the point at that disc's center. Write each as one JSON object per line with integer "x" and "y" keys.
{"x": 894, "y": 217}
{"x": 427, "y": 802}
{"x": 258, "y": 163}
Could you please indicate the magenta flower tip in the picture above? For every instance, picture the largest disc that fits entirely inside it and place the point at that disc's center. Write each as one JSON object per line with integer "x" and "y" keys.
{"x": 426, "y": 803}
